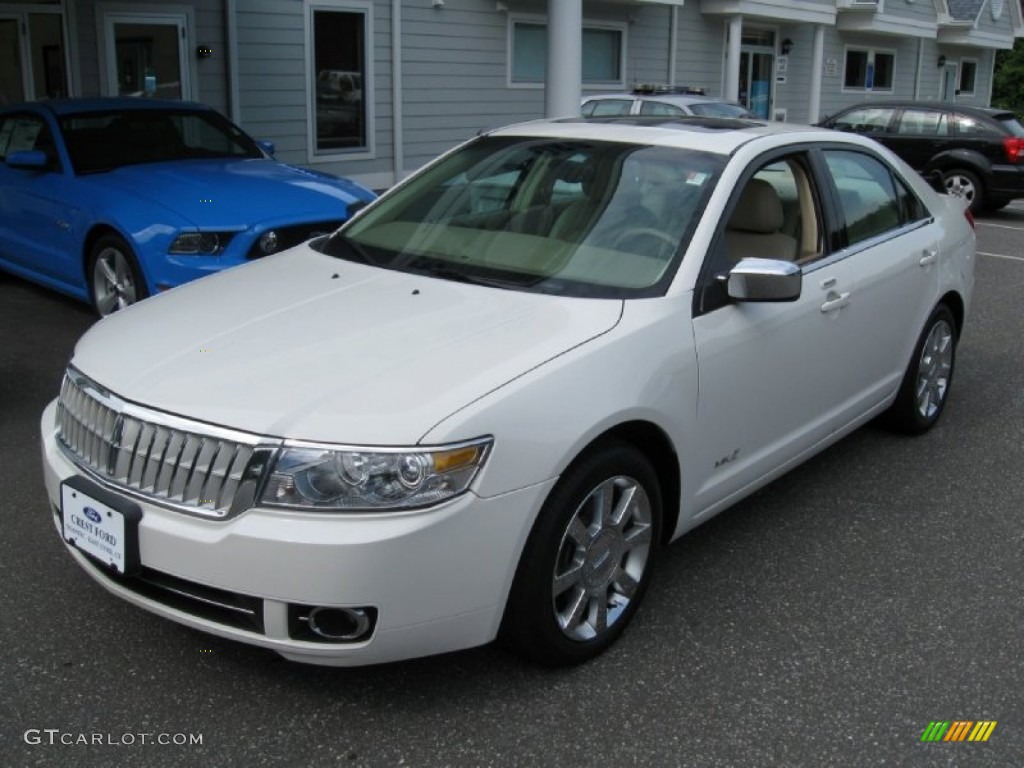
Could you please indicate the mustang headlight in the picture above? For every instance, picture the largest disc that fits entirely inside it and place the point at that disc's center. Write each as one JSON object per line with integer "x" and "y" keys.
{"x": 354, "y": 479}
{"x": 199, "y": 243}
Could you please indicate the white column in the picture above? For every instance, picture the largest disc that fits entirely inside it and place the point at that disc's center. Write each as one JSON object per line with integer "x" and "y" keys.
{"x": 817, "y": 64}
{"x": 732, "y": 59}
{"x": 563, "y": 85}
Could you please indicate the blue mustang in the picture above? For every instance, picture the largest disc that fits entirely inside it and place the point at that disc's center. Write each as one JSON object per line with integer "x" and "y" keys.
{"x": 112, "y": 200}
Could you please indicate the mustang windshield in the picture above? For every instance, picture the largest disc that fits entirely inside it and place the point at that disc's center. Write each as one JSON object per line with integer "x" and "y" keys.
{"x": 103, "y": 141}
{"x": 569, "y": 217}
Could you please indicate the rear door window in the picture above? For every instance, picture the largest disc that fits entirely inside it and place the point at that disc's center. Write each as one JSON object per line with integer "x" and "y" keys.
{"x": 869, "y": 201}
{"x": 607, "y": 107}
{"x": 660, "y": 109}
{"x": 923, "y": 122}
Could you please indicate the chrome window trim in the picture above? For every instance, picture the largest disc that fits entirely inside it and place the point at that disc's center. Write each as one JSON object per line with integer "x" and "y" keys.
{"x": 836, "y": 256}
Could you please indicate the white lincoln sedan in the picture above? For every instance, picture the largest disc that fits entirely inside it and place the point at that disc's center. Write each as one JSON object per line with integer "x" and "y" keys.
{"x": 480, "y": 408}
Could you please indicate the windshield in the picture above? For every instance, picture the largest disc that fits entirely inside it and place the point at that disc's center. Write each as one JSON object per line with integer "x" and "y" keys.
{"x": 108, "y": 140}
{"x": 569, "y": 217}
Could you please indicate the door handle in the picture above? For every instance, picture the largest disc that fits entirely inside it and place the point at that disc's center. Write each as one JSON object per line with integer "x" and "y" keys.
{"x": 835, "y": 301}
{"x": 928, "y": 256}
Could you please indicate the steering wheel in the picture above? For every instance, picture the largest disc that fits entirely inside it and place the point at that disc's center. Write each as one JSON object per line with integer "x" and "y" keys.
{"x": 640, "y": 239}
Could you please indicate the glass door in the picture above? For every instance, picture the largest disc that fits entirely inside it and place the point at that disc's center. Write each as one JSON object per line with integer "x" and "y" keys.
{"x": 756, "y": 69}
{"x": 949, "y": 72}
{"x": 146, "y": 56}
{"x": 32, "y": 62}
{"x": 12, "y": 70}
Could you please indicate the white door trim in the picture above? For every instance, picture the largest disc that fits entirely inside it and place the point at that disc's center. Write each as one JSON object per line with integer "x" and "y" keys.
{"x": 109, "y": 14}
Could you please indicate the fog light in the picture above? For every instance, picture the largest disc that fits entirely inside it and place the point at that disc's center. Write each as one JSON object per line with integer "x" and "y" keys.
{"x": 268, "y": 242}
{"x": 339, "y": 623}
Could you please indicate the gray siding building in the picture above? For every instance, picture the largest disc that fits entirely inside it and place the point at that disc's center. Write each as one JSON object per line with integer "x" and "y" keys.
{"x": 372, "y": 89}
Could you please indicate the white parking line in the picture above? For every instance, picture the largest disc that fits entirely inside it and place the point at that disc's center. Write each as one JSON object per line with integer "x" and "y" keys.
{"x": 997, "y": 226}
{"x": 1000, "y": 256}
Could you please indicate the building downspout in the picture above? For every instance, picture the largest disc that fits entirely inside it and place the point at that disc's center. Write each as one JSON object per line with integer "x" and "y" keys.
{"x": 673, "y": 45}
{"x": 732, "y": 59}
{"x": 397, "y": 133}
{"x": 231, "y": 60}
{"x": 817, "y": 65}
{"x": 920, "y": 64}
{"x": 564, "y": 75}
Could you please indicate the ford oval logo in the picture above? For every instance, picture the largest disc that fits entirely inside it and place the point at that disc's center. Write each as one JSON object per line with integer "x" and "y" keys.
{"x": 92, "y": 514}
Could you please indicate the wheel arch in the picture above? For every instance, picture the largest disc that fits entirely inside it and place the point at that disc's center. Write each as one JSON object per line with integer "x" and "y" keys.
{"x": 652, "y": 441}
{"x": 955, "y": 302}
{"x": 96, "y": 231}
{"x": 968, "y": 159}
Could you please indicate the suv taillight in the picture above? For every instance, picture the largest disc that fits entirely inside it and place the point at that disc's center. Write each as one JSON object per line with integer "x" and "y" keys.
{"x": 1014, "y": 148}
{"x": 970, "y": 217}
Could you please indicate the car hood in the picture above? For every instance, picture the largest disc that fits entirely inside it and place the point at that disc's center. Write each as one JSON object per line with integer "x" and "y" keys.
{"x": 306, "y": 346}
{"x": 226, "y": 192}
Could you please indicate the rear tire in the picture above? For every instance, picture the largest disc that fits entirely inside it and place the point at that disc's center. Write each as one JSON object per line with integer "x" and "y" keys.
{"x": 966, "y": 184}
{"x": 588, "y": 559}
{"x": 115, "y": 281}
{"x": 925, "y": 388}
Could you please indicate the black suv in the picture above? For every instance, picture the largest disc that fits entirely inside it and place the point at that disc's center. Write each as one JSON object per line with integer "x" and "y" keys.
{"x": 979, "y": 151}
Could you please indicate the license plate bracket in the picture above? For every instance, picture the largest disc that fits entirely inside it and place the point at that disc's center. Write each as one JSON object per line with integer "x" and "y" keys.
{"x": 101, "y": 524}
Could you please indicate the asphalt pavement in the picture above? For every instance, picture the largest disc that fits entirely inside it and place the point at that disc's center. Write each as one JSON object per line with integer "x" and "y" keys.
{"x": 825, "y": 621}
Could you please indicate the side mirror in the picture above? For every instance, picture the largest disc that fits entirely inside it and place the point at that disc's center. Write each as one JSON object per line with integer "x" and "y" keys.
{"x": 765, "y": 280}
{"x": 28, "y": 160}
{"x": 267, "y": 146}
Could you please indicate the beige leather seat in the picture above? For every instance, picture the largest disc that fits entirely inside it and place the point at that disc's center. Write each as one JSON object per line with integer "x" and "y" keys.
{"x": 755, "y": 227}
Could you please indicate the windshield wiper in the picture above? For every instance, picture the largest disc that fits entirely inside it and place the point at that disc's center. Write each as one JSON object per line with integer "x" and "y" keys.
{"x": 455, "y": 275}
{"x": 354, "y": 248}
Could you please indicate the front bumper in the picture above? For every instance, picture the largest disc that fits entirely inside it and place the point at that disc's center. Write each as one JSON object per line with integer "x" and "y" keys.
{"x": 437, "y": 578}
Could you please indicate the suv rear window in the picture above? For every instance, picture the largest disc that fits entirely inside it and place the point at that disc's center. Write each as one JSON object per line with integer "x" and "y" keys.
{"x": 1010, "y": 122}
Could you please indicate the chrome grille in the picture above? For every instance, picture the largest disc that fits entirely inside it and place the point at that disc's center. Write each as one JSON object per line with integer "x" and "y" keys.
{"x": 192, "y": 466}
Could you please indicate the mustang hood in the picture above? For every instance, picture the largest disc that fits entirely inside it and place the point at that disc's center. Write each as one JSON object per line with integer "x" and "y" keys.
{"x": 307, "y": 346}
{"x": 224, "y": 192}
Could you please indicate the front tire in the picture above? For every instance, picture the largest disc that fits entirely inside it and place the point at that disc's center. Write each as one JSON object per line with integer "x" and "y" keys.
{"x": 115, "y": 281}
{"x": 925, "y": 388}
{"x": 588, "y": 559}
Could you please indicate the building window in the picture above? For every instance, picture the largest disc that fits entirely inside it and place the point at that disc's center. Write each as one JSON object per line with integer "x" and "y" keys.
{"x": 603, "y": 53}
{"x": 968, "y": 73}
{"x": 868, "y": 70}
{"x": 340, "y": 81}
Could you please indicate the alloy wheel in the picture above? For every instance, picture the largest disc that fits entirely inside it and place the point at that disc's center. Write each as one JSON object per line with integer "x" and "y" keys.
{"x": 113, "y": 281}
{"x": 602, "y": 558}
{"x": 933, "y": 370}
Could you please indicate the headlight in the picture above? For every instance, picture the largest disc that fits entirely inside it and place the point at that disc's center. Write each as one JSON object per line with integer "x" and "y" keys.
{"x": 200, "y": 243}
{"x": 353, "y": 479}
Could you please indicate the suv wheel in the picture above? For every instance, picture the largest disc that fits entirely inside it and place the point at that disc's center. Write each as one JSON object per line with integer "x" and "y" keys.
{"x": 966, "y": 184}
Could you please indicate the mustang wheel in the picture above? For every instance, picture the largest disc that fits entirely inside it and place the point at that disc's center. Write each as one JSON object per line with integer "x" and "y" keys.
{"x": 114, "y": 278}
{"x": 966, "y": 184}
{"x": 926, "y": 383}
{"x": 588, "y": 559}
